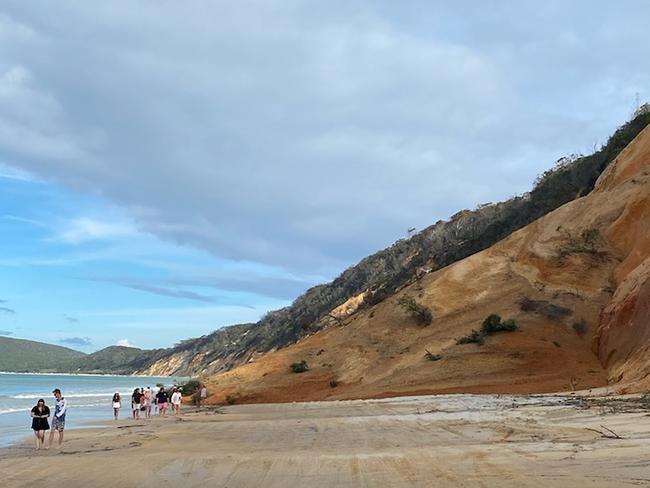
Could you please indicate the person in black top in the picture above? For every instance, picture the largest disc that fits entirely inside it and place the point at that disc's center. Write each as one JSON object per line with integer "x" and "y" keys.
{"x": 40, "y": 414}
{"x": 135, "y": 403}
{"x": 162, "y": 397}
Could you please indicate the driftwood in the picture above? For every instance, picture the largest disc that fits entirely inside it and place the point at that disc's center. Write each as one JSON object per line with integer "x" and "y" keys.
{"x": 609, "y": 434}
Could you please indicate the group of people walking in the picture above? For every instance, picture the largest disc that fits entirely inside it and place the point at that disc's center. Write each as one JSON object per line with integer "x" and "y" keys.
{"x": 40, "y": 420}
{"x": 143, "y": 401}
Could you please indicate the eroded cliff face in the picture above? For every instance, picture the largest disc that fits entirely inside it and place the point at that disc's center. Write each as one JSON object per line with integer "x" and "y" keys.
{"x": 384, "y": 273}
{"x": 623, "y": 339}
{"x": 576, "y": 281}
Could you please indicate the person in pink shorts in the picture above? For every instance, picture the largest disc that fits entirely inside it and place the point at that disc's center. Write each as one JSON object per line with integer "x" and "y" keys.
{"x": 162, "y": 398}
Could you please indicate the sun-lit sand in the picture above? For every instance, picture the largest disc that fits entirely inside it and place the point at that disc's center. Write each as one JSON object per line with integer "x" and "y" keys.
{"x": 452, "y": 440}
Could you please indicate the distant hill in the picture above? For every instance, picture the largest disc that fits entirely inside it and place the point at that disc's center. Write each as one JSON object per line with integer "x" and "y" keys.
{"x": 112, "y": 359}
{"x": 19, "y": 355}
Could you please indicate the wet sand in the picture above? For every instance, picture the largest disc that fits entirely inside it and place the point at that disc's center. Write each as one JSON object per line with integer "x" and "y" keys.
{"x": 451, "y": 440}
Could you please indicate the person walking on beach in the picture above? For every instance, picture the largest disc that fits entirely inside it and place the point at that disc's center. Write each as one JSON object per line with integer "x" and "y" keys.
{"x": 148, "y": 401}
{"x": 177, "y": 398}
{"x": 161, "y": 399}
{"x": 204, "y": 395}
{"x": 40, "y": 414}
{"x": 117, "y": 404}
{"x": 135, "y": 403}
{"x": 142, "y": 400}
{"x": 58, "y": 420}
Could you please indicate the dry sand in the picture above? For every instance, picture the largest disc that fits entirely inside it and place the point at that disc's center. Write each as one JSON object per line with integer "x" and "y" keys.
{"x": 449, "y": 440}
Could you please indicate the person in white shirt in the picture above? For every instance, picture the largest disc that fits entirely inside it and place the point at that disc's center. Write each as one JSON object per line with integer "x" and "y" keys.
{"x": 148, "y": 402}
{"x": 177, "y": 399}
{"x": 58, "y": 420}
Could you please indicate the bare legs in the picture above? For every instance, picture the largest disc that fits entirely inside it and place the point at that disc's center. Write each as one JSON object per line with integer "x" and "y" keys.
{"x": 59, "y": 444}
{"x": 116, "y": 413}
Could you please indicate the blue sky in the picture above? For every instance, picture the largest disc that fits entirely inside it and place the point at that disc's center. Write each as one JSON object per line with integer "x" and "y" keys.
{"x": 76, "y": 272}
{"x": 171, "y": 167}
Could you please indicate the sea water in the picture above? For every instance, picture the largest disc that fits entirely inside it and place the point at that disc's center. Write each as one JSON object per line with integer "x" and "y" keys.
{"x": 88, "y": 398}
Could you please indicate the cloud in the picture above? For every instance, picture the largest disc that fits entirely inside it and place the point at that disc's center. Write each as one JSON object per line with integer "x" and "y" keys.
{"x": 32, "y": 125}
{"x": 14, "y": 174}
{"x": 306, "y": 136}
{"x": 274, "y": 287}
{"x": 76, "y": 341}
{"x": 7, "y": 310}
{"x": 85, "y": 229}
{"x": 169, "y": 292}
{"x": 6, "y": 332}
{"x": 165, "y": 291}
{"x": 125, "y": 343}
{"x": 72, "y": 320}
{"x": 24, "y": 220}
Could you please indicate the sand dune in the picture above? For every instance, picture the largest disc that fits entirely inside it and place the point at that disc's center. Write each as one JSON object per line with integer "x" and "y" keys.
{"x": 585, "y": 264}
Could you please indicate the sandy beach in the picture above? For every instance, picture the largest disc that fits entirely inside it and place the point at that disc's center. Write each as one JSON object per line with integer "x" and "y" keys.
{"x": 451, "y": 440}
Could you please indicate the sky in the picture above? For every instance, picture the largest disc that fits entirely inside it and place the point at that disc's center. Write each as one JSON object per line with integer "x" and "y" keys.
{"x": 168, "y": 168}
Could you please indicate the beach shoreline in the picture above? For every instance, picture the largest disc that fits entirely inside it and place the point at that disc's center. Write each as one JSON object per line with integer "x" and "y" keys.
{"x": 446, "y": 440}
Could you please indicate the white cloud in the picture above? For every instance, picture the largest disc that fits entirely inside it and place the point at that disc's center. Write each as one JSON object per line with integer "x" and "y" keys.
{"x": 9, "y": 173}
{"x": 125, "y": 343}
{"x": 32, "y": 121}
{"x": 84, "y": 229}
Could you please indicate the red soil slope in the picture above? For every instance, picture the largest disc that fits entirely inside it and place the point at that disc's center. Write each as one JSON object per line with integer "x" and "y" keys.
{"x": 581, "y": 272}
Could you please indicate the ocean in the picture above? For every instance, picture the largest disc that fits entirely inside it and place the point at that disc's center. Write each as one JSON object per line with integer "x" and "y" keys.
{"x": 88, "y": 398}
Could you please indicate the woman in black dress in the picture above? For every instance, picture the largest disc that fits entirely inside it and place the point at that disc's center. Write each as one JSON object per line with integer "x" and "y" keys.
{"x": 40, "y": 414}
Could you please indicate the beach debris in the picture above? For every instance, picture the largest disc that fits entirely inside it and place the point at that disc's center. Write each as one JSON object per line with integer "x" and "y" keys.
{"x": 432, "y": 357}
{"x": 608, "y": 434}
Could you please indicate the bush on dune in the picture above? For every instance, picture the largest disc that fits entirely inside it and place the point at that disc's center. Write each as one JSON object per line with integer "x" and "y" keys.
{"x": 491, "y": 325}
{"x": 419, "y": 312}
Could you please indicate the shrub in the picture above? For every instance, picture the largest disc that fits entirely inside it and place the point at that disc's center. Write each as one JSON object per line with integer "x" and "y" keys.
{"x": 548, "y": 310}
{"x": 588, "y": 242}
{"x": 509, "y": 325}
{"x": 475, "y": 337}
{"x": 375, "y": 296}
{"x": 231, "y": 399}
{"x": 334, "y": 383}
{"x": 419, "y": 312}
{"x": 190, "y": 387}
{"x": 581, "y": 327}
{"x": 300, "y": 367}
{"x": 493, "y": 324}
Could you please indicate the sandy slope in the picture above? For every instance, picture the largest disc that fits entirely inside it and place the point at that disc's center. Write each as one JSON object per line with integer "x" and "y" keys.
{"x": 455, "y": 440}
{"x": 601, "y": 280}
